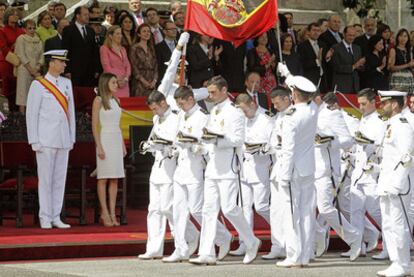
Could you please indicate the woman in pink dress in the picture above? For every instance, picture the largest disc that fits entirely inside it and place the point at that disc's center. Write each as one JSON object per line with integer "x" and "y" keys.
{"x": 114, "y": 59}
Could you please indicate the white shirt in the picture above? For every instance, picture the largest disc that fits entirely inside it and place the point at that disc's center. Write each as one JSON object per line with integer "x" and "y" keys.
{"x": 80, "y": 28}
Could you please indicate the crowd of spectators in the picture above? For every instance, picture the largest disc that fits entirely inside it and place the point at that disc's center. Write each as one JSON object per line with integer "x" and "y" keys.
{"x": 136, "y": 43}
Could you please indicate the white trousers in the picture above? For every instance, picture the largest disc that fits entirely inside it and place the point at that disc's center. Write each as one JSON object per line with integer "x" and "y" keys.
{"x": 370, "y": 231}
{"x": 277, "y": 212}
{"x": 188, "y": 200}
{"x": 222, "y": 194}
{"x": 299, "y": 226}
{"x": 257, "y": 195}
{"x": 364, "y": 198}
{"x": 329, "y": 213}
{"x": 52, "y": 166}
{"x": 160, "y": 209}
{"x": 411, "y": 207}
{"x": 395, "y": 230}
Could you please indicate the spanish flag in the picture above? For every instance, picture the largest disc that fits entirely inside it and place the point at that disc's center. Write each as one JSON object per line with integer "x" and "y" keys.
{"x": 231, "y": 20}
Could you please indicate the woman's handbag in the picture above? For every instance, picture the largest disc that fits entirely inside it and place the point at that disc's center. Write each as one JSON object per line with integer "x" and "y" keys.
{"x": 12, "y": 58}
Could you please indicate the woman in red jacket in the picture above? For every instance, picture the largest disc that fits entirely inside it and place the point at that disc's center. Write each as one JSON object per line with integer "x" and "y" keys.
{"x": 8, "y": 36}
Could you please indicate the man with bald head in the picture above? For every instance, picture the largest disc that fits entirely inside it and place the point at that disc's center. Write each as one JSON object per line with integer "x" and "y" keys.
{"x": 346, "y": 62}
{"x": 329, "y": 38}
{"x": 370, "y": 28}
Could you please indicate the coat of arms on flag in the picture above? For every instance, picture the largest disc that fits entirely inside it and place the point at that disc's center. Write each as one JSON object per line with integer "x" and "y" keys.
{"x": 231, "y": 20}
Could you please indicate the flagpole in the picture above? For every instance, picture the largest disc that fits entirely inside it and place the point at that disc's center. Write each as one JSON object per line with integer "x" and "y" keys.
{"x": 279, "y": 44}
{"x": 182, "y": 65}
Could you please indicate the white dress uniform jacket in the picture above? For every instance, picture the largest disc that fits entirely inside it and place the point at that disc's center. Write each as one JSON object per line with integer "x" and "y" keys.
{"x": 298, "y": 153}
{"x": 397, "y": 147}
{"x": 47, "y": 123}
{"x": 256, "y": 166}
{"x": 190, "y": 163}
{"x": 165, "y": 127}
{"x": 229, "y": 121}
{"x": 331, "y": 123}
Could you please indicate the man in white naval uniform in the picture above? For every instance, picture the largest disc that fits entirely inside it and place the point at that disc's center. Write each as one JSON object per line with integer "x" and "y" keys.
{"x": 364, "y": 196}
{"x": 160, "y": 143}
{"x": 332, "y": 135}
{"x": 409, "y": 115}
{"x": 394, "y": 185}
{"x": 170, "y": 81}
{"x": 282, "y": 103}
{"x": 225, "y": 133}
{"x": 255, "y": 187}
{"x": 296, "y": 175}
{"x": 51, "y": 127}
{"x": 189, "y": 180}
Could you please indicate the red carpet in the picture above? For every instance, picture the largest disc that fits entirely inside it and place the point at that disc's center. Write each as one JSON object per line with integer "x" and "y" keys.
{"x": 33, "y": 243}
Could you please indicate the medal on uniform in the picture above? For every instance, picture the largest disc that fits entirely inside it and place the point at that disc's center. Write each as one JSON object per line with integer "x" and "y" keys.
{"x": 217, "y": 111}
{"x": 222, "y": 123}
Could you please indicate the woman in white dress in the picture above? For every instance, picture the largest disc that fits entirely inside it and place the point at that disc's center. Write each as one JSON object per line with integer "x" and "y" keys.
{"x": 110, "y": 146}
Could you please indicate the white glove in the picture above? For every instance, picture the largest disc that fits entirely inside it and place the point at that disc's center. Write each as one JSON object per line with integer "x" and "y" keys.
{"x": 371, "y": 167}
{"x": 283, "y": 69}
{"x": 406, "y": 160}
{"x": 184, "y": 37}
{"x": 37, "y": 147}
{"x": 284, "y": 183}
{"x": 198, "y": 149}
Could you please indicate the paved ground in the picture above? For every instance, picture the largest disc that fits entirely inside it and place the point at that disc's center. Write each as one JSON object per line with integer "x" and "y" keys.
{"x": 330, "y": 265}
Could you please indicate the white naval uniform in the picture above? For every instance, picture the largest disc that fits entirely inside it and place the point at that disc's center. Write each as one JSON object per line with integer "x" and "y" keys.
{"x": 52, "y": 134}
{"x": 189, "y": 183}
{"x": 364, "y": 196}
{"x": 347, "y": 167}
{"x": 328, "y": 167}
{"x": 393, "y": 186}
{"x": 168, "y": 85}
{"x": 160, "y": 205}
{"x": 277, "y": 209}
{"x": 297, "y": 172}
{"x": 256, "y": 168}
{"x": 221, "y": 181}
{"x": 406, "y": 112}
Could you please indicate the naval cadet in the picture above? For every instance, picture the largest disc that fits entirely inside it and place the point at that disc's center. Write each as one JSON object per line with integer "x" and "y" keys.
{"x": 189, "y": 180}
{"x": 50, "y": 119}
{"x": 224, "y": 135}
{"x": 255, "y": 187}
{"x": 296, "y": 175}
{"x": 160, "y": 143}
{"x": 394, "y": 185}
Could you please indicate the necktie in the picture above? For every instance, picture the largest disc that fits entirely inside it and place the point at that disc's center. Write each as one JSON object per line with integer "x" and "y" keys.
{"x": 338, "y": 37}
{"x": 255, "y": 98}
{"x": 350, "y": 51}
{"x": 84, "y": 32}
{"x": 157, "y": 35}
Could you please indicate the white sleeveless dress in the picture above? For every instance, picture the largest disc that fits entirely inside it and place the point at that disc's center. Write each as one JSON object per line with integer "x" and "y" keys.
{"x": 112, "y": 166}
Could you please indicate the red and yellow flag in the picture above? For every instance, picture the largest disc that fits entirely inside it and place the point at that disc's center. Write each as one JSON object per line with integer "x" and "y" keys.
{"x": 231, "y": 20}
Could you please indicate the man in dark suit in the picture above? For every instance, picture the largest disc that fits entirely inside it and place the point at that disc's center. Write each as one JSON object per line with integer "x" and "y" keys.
{"x": 252, "y": 83}
{"x": 164, "y": 49}
{"x": 79, "y": 39}
{"x": 290, "y": 30}
{"x": 310, "y": 52}
{"x": 346, "y": 61}
{"x": 329, "y": 38}
{"x": 232, "y": 64}
{"x": 55, "y": 42}
{"x": 370, "y": 28}
{"x": 59, "y": 13}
